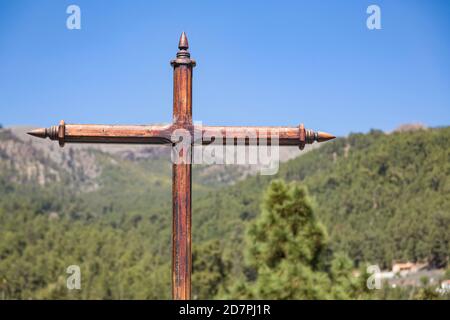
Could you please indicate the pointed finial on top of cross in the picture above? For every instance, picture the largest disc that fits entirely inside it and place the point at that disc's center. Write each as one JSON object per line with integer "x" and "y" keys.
{"x": 183, "y": 55}
{"x": 183, "y": 44}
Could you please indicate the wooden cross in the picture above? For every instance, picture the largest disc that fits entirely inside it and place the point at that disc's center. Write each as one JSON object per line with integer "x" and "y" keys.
{"x": 181, "y": 170}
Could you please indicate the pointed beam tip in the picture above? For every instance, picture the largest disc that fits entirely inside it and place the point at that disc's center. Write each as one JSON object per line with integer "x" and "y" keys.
{"x": 324, "y": 136}
{"x": 40, "y": 133}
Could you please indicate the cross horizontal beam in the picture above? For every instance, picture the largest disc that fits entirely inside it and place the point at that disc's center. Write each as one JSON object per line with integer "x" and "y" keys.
{"x": 166, "y": 134}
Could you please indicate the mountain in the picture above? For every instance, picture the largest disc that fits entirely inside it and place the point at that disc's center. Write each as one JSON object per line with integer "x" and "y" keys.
{"x": 382, "y": 197}
{"x": 84, "y": 192}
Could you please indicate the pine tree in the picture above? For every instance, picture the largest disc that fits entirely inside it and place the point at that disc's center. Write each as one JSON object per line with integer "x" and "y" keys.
{"x": 210, "y": 270}
{"x": 287, "y": 249}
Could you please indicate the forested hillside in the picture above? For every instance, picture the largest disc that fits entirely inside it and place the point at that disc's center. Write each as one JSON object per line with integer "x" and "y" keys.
{"x": 380, "y": 197}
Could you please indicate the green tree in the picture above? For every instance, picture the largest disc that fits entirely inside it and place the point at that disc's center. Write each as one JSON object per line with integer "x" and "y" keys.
{"x": 209, "y": 270}
{"x": 288, "y": 251}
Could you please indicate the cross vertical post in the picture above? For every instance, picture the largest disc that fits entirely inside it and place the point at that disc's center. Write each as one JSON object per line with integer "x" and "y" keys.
{"x": 181, "y": 174}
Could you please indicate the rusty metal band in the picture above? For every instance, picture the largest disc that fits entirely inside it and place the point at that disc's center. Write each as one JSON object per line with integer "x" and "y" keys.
{"x": 302, "y": 136}
{"x": 61, "y": 133}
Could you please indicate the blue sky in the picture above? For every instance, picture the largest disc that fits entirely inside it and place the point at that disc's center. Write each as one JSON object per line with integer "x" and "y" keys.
{"x": 258, "y": 63}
